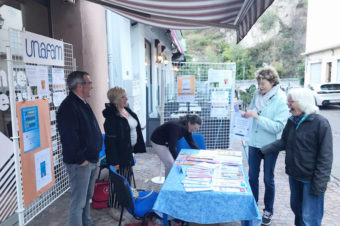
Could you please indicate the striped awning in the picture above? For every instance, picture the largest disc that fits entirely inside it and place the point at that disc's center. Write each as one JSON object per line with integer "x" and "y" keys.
{"x": 191, "y": 14}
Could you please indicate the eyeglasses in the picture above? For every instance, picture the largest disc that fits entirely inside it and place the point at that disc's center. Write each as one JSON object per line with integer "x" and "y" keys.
{"x": 290, "y": 101}
{"x": 84, "y": 83}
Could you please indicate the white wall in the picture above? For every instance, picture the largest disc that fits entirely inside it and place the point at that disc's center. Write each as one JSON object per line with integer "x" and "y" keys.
{"x": 322, "y": 24}
{"x": 119, "y": 49}
{"x": 138, "y": 92}
{"x": 324, "y": 57}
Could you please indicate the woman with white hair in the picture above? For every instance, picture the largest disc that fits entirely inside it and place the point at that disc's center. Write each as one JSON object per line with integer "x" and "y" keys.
{"x": 307, "y": 139}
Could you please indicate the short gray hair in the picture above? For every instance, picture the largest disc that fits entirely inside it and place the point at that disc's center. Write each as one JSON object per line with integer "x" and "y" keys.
{"x": 305, "y": 99}
{"x": 75, "y": 78}
{"x": 268, "y": 73}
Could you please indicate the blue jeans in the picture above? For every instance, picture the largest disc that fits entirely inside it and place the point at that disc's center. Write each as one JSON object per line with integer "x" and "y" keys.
{"x": 308, "y": 208}
{"x": 255, "y": 157}
{"x": 82, "y": 180}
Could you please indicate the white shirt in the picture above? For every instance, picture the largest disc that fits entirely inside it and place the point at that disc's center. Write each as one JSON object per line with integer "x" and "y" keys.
{"x": 133, "y": 132}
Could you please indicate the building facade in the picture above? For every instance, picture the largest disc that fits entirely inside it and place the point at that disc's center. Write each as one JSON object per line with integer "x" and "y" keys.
{"x": 322, "y": 43}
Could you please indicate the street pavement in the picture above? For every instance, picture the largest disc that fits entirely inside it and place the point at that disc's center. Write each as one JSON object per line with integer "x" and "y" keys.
{"x": 147, "y": 167}
{"x": 332, "y": 113}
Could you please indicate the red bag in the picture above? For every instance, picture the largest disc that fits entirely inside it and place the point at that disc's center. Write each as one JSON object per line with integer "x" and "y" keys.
{"x": 100, "y": 197}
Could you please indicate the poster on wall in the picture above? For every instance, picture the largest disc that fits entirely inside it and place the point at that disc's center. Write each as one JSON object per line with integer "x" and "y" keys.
{"x": 219, "y": 103}
{"x": 36, "y": 160}
{"x": 30, "y": 128}
{"x": 58, "y": 86}
{"x": 220, "y": 79}
{"x": 43, "y": 172}
{"x": 58, "y": 79}
{"x": 38, "y": 80}
{"x": 185, "y": 88}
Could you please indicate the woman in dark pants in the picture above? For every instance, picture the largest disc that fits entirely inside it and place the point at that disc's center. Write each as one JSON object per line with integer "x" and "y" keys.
{"x": 270, "y": 113}
{"x": 307, "y": 139}
{"x": 123, "y": 134}
{"x": 164, "y": 138}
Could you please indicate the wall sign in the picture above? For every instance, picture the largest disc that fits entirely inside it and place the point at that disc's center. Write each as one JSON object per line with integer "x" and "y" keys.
{"x": 38, "y": 49}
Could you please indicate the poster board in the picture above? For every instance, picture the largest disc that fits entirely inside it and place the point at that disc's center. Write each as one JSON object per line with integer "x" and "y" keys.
{"x": 220, "y": 85}
{"x": 186, "y": 88}
{"x": 35, "y": 148}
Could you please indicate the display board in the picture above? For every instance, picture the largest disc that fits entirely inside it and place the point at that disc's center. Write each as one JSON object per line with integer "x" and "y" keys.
{"x": 35, "y": 148}
{"x": 205, "y": 89}
{"x": 33, "y": 68}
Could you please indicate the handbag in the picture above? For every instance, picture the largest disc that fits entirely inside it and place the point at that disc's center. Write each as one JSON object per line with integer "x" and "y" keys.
{"x": 100, "y": 198}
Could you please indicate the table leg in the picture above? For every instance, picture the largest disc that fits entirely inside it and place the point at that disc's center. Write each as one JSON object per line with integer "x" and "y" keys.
{"x": 165, "y": 219}
{"x": 247, "y": 223}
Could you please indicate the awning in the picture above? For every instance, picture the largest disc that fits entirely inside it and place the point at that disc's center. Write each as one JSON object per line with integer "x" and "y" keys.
{"x": 191, "y": 14}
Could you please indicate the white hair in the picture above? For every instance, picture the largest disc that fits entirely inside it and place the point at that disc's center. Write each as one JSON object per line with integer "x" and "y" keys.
{"x": 305, "y": 99}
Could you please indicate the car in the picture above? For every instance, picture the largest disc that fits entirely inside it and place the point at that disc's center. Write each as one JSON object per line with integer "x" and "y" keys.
{"x": 326, "y": 93}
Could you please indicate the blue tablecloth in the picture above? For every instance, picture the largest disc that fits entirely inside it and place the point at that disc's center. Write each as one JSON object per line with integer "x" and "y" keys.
{"x": 206, "y": 207}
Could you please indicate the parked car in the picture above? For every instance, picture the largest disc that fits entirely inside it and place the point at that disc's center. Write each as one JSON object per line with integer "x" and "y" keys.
{"x": 326, "y": 93}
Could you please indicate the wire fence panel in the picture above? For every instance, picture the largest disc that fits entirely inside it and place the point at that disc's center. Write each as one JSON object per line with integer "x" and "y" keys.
{"x": 23, "y": 92}
{"x": 213, "y": 98}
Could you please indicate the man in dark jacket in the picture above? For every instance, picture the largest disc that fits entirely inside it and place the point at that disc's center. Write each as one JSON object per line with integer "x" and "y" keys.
{"x": 81, "y": 141}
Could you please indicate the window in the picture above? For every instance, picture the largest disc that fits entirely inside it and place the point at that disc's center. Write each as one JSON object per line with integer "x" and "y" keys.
{"x": 338, "y": 72}
{"x": 329, "y": 72}
{"x": 315, "y": 73}
{"x": 330, "y": 87}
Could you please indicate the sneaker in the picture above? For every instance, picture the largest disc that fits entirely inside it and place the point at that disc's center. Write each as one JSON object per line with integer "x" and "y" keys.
{"x": 267, "y": 217}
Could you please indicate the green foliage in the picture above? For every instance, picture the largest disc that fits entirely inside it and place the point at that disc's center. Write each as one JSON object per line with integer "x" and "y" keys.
{"x": 302, "y": 4}
{"x": 246, "y": 96}
{"x": 283, "y": 50}
{"x": 300, "y": 72}
{"x": 267, "y": 21}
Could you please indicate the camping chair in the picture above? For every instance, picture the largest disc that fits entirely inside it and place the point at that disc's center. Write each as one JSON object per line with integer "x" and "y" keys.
{"x": 198, "y": 138}
{"x": 103, "y": 164}
{"x": 139, "y": 207}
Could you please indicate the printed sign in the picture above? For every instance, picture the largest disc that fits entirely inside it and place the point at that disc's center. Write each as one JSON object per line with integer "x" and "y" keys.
{"x": 30, "y": 128}
{"x": 35, "y": 148}
{"x": 186, "y": 88}
{"x": 39, "y": 49}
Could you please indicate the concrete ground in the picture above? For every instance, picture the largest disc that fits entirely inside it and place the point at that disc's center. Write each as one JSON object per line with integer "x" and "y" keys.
{"x": 147, "y": 167}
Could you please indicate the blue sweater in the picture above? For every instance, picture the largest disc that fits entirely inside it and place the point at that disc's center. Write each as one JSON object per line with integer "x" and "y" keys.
{"x": 271, "y": 121}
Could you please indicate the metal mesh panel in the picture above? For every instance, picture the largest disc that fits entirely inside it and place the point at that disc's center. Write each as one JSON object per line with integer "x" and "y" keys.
{"x": 216, "y": 130}
{"x": 23, "y": 92}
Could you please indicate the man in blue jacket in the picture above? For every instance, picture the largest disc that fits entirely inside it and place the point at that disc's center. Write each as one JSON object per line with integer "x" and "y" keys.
{"x": 81, "y": 141}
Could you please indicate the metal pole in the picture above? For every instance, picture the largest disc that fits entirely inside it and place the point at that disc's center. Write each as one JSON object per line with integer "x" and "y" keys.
{"x": 15, "y": 138}
{"x": 162, "y": 91}
{"x": 160, "y": 179}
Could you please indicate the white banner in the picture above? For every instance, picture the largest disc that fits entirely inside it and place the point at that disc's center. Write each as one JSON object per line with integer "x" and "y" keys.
{"x": 38, "y": 49}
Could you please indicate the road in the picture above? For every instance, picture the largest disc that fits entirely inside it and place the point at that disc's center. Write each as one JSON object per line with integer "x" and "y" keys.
{"x": 332, "y": 113}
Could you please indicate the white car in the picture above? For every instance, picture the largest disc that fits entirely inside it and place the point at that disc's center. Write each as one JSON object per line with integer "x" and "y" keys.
{"x": 326, "y": 93}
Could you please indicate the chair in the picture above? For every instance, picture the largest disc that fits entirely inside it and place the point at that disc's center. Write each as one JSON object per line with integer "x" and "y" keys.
{"x": 103, "y": 164}
{"x": 198, "y": 138}
{"x": 138, "y": 207}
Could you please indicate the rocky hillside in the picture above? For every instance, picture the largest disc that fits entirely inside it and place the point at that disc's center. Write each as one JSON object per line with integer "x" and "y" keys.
{"x": 277, "y": 38}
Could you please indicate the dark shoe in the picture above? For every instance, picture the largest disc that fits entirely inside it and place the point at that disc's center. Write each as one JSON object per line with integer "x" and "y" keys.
{"x": 267, "y": 218}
